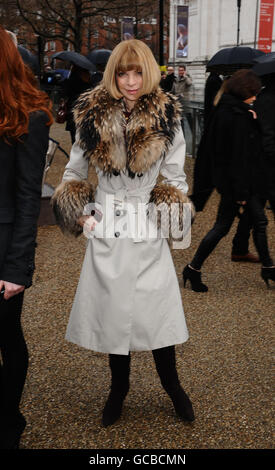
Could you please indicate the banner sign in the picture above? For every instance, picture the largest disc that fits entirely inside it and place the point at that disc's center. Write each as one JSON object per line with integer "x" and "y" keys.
{"x": 182, "y": 32}
{"x": 127, "y": 28}
{"x": 266, "y": 25}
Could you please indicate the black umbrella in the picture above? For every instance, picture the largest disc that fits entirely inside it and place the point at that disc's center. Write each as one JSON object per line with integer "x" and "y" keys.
{"x": 99, "y": 56}
{"x": 228, "y": 60}
{"x": 29, "y": 59}
{"x": 265, "y": 65}
{"x": 76, "y": 59}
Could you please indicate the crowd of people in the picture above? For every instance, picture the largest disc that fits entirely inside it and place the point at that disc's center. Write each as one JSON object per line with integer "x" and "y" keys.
{"x": 129, "y": 128}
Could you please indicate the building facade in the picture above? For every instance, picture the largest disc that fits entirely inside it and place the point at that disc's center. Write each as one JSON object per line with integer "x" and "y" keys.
{"x": 204, "y": 27}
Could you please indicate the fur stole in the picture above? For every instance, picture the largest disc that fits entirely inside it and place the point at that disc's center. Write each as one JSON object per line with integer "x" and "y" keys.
{"x": 112, "y": 144}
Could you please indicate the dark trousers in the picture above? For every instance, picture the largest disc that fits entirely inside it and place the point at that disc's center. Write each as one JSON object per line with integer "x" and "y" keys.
{"x": 241, "y": 240}
{"x": 14, "y": 353}
{"x": 240, "y": 244}
{"x": 227, "y": 212}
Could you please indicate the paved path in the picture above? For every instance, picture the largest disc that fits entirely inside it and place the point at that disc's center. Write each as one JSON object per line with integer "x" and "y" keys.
{"x": 225, "y": 366}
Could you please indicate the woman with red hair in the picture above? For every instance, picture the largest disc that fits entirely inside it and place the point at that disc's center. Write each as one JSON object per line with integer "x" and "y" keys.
{"x": 25, "y": 118}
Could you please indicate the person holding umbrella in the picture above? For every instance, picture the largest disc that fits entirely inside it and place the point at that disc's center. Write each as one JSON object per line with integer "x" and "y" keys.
{"x": 214, "y": 90}
{"x": 231, "y": 149}
{"x": 79, "y": 81}
{"x": 129, "y": 130}
{"x": 99, "y": 57}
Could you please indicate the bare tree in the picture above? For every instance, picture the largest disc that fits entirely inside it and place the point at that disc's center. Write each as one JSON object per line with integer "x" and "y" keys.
{"x": 75, "y": 23}
{"x": 65, "y": 19}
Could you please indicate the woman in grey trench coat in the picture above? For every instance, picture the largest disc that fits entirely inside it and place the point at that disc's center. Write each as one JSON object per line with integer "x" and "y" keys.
{"x": 128, "y": 297}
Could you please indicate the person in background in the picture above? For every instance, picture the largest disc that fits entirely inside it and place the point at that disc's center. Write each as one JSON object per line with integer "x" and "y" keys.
{"x": 167, "y": 82}
{"x": 181, "y": 88}
{"x": 25, "y": 118}
{"x": 240, "y": 244}
{"x": 231, "y": 149}
{"x": 163, "y": 75}
{"x": 78, "y": 82}
{"x": 212, "y": 86}
{"x": 182, "y": 84}
{"x": 264, "y": 107}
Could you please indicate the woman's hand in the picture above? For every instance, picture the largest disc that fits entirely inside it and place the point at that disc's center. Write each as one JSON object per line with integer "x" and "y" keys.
{"x": 11, "y": 289}
{"x": 253, "y": 112}
{"x": 87, "y": 220}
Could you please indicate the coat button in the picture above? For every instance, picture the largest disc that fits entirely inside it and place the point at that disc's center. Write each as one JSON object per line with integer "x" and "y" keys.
{"x": 117, "y": 234}
{"x": 117, "y": 213}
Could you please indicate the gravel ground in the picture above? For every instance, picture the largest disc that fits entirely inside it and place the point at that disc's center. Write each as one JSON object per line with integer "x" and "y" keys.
{"x": 225, "y": 366}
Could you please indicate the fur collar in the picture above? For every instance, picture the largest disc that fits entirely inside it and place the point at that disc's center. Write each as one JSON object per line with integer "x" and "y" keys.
{"x": 113, "y": 145}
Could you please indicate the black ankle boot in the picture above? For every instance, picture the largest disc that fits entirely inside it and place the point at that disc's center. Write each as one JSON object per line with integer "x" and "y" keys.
{"x": 268, "y": 273}
{"x": 165, "y": 360}
{"x": 182, "y": 404}
{"x": 120, "y": 370}
{"x": 113, "y": 407}
{"x": 195, "y": 279}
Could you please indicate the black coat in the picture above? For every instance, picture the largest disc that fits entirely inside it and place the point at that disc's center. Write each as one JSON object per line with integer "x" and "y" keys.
{"x": 229, "y": 154}
{"x": 265, "y": 108}
{"x": 212, "y": 86}
{"x": 73, "y": 87}
{"x": 22, "y": 165}
{"x": 167, "y": 83}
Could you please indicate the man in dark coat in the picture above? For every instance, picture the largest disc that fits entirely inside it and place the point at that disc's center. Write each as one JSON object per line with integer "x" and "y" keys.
{"x": 167, "y": 83}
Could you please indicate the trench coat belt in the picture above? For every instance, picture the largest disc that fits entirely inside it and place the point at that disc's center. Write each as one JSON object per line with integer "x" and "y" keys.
{"x": 127, "y": 194}
{"x": 134, "y": 197}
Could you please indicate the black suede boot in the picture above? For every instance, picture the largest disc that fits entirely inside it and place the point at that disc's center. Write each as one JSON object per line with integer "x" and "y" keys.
{"x": 165, "y": 361}
{"x": 120, "y": 371}
{"x": 194, "y": 277}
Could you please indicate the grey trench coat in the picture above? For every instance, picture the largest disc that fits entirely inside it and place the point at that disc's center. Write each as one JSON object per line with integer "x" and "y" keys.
{"x": 128, "y": 296}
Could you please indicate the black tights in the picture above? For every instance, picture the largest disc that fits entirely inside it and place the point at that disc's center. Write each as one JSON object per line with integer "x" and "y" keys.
{"x": 227, "y": 212}
{"x": 165, "y": 361}
{"x": 14, "y": 353}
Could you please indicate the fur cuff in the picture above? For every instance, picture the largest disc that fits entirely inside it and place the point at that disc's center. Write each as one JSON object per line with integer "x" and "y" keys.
{"x": 173, "y": 212}
{"x": 68, "y": 201}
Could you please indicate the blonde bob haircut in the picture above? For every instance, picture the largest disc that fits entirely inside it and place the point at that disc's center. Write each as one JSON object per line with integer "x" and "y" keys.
{"x": 131, "y": 54}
